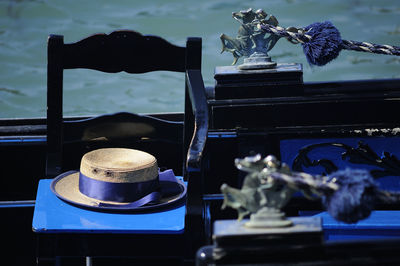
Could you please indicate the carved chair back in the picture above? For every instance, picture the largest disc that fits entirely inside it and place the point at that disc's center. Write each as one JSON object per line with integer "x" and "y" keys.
{"x": 118, "y": 51}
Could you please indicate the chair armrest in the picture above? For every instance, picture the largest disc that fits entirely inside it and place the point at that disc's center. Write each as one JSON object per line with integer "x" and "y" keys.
{"x": 197, "y": 116}
{"x": 198, "y": 100}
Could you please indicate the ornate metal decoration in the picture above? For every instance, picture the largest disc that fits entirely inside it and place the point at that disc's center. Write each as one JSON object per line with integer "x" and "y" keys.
{"x": 362, "y": 154}
{"x": 260, "y": 194}
{"x": 251, "y": 41}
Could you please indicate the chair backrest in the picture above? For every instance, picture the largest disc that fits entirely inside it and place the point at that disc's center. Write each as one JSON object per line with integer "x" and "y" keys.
{"x": 118, "y": 51}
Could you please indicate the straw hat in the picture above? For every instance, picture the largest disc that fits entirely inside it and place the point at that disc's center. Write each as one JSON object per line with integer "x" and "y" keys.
{"x": 119, "y": 179}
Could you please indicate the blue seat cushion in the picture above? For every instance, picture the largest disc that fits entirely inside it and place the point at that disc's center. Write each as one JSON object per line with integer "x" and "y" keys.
{"x": 52, "y": 215}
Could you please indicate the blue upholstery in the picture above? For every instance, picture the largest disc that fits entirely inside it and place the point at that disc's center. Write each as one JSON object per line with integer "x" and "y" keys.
{"x": 381, "y": 224}
{"x": 53, "y": 215}
{"x": 290, "y": 148}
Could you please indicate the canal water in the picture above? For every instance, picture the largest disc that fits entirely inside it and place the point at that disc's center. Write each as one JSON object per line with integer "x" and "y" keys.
{"x": 25, "y": 25}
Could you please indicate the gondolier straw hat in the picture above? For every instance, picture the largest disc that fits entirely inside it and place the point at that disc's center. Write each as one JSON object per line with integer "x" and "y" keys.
{"x": 119, "y": 179}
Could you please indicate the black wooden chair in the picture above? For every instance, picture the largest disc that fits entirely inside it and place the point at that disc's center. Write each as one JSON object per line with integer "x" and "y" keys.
{"x": 129, "y": 51}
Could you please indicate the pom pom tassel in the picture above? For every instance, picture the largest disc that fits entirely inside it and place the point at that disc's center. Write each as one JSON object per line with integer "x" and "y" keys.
{"x": 355, "y": 197}
{"x": 324, "y": 43}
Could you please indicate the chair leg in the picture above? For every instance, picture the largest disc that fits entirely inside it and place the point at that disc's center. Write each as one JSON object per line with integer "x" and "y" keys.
{"x": 89, "y": 261}
{"x": 204, "y": 256}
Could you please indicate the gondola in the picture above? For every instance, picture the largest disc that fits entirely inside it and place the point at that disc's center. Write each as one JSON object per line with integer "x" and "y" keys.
{"x": 269, "y": 113}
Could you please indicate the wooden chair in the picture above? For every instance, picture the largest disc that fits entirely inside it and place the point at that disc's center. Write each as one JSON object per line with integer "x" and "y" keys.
{"x": 134, "y": 53}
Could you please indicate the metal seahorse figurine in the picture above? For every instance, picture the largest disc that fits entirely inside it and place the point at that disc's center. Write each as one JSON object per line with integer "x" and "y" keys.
{"x": 251, "y": 42}
{"x": 260, "y": 195}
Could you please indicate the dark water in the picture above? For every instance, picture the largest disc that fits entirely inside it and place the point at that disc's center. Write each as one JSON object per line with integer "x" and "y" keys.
{"x": 25, "y": 25}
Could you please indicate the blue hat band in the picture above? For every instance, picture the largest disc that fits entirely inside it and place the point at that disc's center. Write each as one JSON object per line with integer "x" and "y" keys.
{"x": 117, "y": 192}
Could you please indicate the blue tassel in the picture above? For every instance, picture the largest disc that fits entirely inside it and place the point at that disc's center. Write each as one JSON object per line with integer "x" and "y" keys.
{"x": 324, "y": 45}
{"x": 354, "y": 200}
